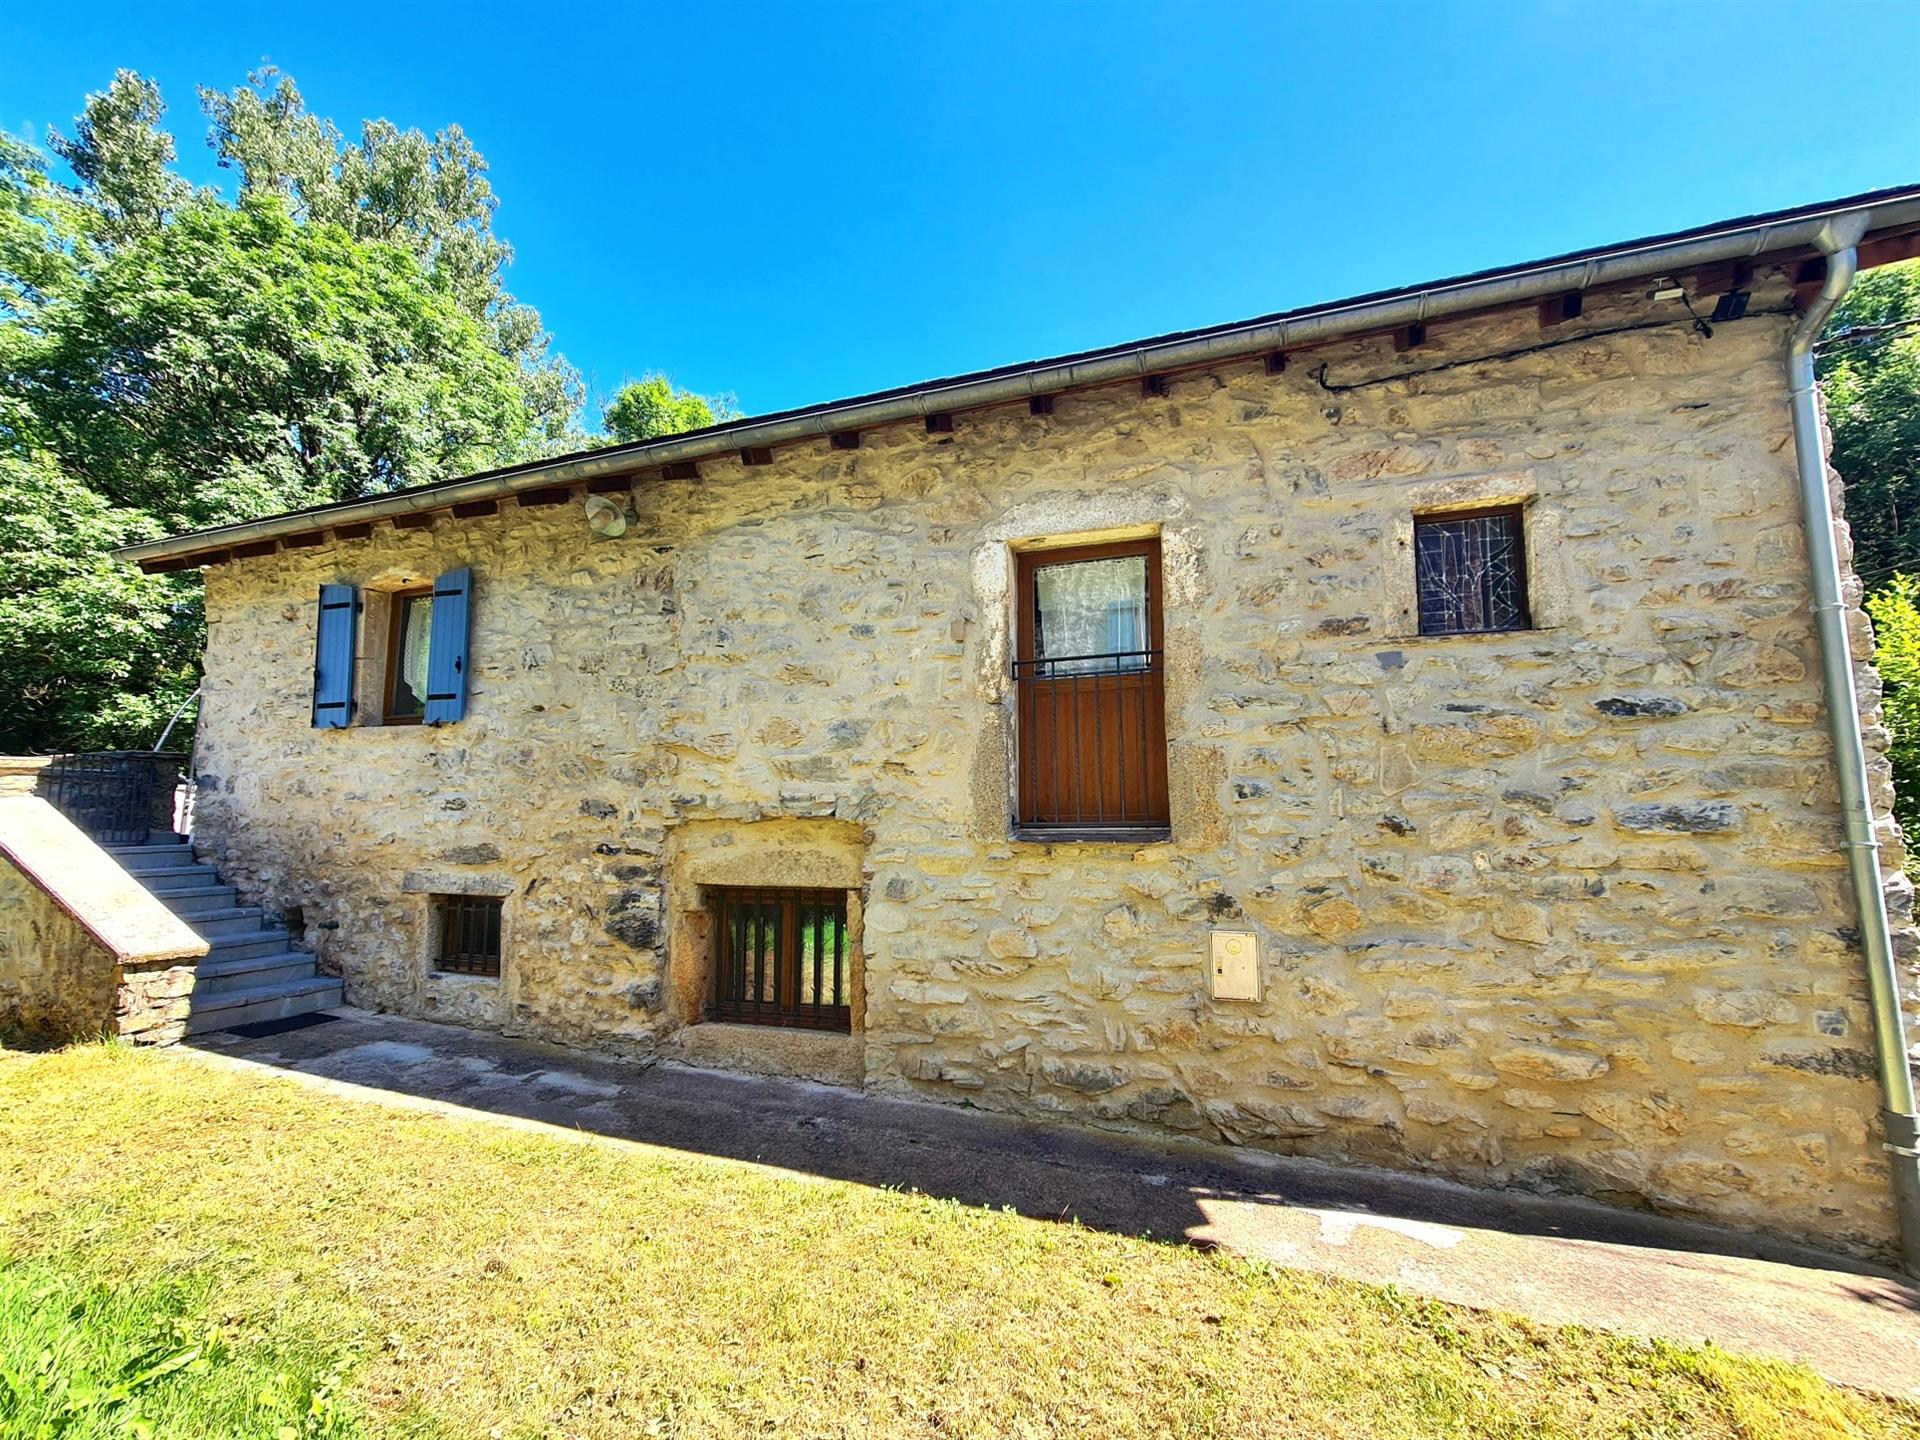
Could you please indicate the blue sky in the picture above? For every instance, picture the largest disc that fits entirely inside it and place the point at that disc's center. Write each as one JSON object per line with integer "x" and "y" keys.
{"x": 796, "y": 202}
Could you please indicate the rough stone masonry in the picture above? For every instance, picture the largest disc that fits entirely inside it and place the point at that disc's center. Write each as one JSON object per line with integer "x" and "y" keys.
{"x": 1562, "y": 908}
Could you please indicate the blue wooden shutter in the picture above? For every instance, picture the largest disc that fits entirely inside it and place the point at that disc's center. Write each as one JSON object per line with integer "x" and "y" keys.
{"x": 447, "y": 650}
{"x": 333, "y": 658}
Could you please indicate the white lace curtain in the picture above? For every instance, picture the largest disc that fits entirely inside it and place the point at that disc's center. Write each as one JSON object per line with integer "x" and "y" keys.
{"x": 1088, "y": 609}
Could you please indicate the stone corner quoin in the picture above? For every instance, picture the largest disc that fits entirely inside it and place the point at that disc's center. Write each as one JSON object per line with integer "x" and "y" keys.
{"x": 1562, "y": 908}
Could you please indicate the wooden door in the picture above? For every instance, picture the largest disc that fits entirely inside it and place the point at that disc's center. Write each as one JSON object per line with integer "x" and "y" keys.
{"x": 1089, "y": 683}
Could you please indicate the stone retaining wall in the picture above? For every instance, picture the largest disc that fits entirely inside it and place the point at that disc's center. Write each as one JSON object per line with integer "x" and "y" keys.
{"x": 21, "y": 774}
{"x": 1562, "y": 909}
{"x": 85, "y": 951}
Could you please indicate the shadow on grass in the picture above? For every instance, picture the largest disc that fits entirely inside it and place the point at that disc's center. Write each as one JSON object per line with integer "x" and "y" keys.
{"x": 1104, "y": 1180}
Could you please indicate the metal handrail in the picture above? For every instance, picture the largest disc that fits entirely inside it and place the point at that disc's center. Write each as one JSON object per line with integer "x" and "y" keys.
{"x": 1041, "y": 668}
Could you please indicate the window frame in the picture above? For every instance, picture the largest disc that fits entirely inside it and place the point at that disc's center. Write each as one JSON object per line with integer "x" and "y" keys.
{"x": 727, "y": 1003}
{"x": 473, "y": 965}
{"x": 398, "y": 605}
{"x": 1026, "y": 562}
{"x": 1152, "y": 677}
{"x": 1517, "y": 511}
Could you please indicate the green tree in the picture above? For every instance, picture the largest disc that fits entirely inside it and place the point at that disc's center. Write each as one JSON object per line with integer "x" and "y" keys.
{"x": 1869, "y": 368}
{"x": 235, "y": 363}
{"x": 1895, "y": 610}
{"x": 121, "y": 157}
{"x": 426, "y": 194}
{"x": 170, "y": 360}
{"x": 93, "y": 654}
{"x": 648, "y": 408}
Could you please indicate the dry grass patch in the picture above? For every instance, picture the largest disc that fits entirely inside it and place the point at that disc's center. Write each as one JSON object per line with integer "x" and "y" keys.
{"x": 468, "y": 1279}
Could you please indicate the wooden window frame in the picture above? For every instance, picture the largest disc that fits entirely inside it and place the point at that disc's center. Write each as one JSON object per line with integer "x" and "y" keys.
{"x": 728, "y": 1000}
{"x": 1523, "y": 599}
{"x": 483, "y": 964}
{"x": 397, "y": 608}
{"x": 1156, "y": 823}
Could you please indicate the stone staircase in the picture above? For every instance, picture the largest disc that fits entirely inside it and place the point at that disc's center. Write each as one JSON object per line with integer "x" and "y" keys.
{"x": 253, "y": 970}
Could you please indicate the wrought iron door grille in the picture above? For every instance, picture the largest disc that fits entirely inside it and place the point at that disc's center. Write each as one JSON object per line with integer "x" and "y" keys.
{"x": 781, "y": 958}
{"x": 119, "y": 797}
{"x": 1092, "y": 741}
{"x": 469, "y": 935}
{"x": 1471, "y": 572}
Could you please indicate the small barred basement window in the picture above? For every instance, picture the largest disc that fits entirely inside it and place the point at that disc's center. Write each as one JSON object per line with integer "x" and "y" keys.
{"x": 469, "y": 935}
{"x": 780, "y": 958}
{"x": 1470, "y": 568}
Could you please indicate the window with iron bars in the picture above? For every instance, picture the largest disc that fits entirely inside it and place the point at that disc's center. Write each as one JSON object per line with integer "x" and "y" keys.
{"x": 469, "y": 935}
{"x": 1470, "y": 570}
{"x": 781, "y": 957}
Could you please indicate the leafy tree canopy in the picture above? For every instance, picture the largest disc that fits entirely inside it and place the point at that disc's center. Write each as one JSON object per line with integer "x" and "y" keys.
{"x": 1869, "y": 368}
{"x": 1895, "y": 611}
{"x": 93, "y": 654}
{"x": 236, "y": 363}
{"x": 428, "y": 195}
{"x": 121, "y": 157}
{"x": 652, "y": 407}
{"x": 171, "y": 359}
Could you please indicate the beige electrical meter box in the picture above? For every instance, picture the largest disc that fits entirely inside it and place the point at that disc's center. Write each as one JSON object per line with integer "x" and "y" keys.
{"x": 1235, "y": 971}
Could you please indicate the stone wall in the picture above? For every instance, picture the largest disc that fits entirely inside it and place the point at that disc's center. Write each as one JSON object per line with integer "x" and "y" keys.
{"x": 54, "y": 978}
{"x": 1562, "y": 909}
{"x": 21, "y": 774}
{"x": 84, "y": 950}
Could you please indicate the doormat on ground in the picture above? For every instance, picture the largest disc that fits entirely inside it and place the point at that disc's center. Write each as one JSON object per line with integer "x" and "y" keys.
{"x": 260, "y": 1030}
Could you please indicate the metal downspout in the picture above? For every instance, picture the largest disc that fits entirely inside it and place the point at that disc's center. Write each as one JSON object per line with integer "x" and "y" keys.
{"x": 1838, "y": 241}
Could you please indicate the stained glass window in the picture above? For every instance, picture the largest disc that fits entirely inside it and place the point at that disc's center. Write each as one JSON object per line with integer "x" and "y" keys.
{"x": 1471, "y": 571}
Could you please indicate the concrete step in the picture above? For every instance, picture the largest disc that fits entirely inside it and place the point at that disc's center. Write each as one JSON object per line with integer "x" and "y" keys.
{"x": 220, "y": 977}
{"x": 182, "y": 884}
{"x": 199, "y": 900}
{"x": 253, "y": 1004}
{"x": 145, "y": 838}
{"x": 158, "y": 851}
{"x": 173, "y": 877}
{"x": 136, "y": 859}
{"x": 246, "y": 944}
{"x": 242, "y": 920}
{"x": 134, "y": 855}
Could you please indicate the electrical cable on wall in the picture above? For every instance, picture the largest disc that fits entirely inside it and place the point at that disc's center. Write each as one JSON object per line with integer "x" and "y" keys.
{"x": 1692, "y": 320}
{"x": 1856, "y": 334}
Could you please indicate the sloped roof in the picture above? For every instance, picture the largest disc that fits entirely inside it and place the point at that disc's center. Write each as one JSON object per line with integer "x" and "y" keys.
{"x": 1782, "y": 235}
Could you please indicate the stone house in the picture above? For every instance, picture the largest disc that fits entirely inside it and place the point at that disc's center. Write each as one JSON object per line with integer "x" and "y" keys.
{"x": 1391, "y": 731}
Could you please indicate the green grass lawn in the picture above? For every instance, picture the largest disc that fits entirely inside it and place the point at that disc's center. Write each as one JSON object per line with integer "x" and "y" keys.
{"x": 190, "y": 1251}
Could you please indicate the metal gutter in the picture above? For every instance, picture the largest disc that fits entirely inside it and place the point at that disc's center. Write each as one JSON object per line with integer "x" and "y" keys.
{"x": 1786, "y": 231}
{"x": 1839, "y": 240}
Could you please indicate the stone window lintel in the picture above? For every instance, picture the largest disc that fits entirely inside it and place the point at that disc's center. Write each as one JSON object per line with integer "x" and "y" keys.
{"x": 451, "y": 882}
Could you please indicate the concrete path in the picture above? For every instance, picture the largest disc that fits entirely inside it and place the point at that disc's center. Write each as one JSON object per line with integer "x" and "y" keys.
{"x": 1558, "y": 1261}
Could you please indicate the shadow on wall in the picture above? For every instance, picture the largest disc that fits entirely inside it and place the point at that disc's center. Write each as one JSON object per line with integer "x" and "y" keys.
{"x": 1203, "y": 1194}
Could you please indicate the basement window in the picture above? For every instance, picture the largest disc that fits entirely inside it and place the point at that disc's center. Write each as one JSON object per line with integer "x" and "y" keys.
{"x": 780, "y": 957}
{"x": 468, "y": 935}
{"x": 1470, "y": 571}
